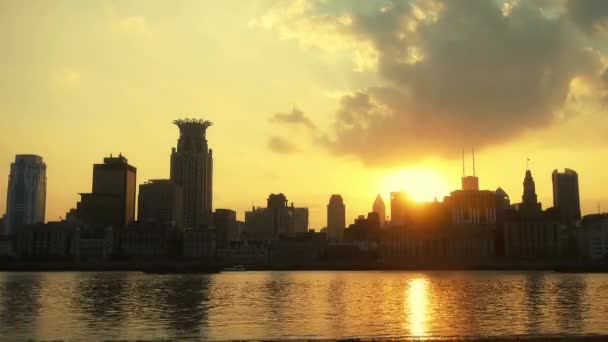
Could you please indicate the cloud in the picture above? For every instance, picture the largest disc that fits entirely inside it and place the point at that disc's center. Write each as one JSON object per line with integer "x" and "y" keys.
{"x": 295, "y": 118}
{"x": 452, "y": 73}
{"x": 590, "y": 15}
{"x": 281, "y": 145}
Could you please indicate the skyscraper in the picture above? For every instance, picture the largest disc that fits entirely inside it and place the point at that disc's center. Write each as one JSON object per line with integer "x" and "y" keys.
{"x": 26, "y": 195}
{"x": 336, "y": 218}
{"x": 280, "y": 218}
{"x": 192, "y": 168}
{"x": 112, "y": 201}
{"x": 117, "y": 178}
{"x": 565, "y": 195}
{"x": 399, "y": 203}
{"x": 529, "y": 208}
{"x": 160, "y": 201}
{"x": 380, "y": 209}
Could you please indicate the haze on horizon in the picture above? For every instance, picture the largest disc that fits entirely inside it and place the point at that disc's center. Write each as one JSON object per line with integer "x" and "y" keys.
{"x": 310, "y": 98}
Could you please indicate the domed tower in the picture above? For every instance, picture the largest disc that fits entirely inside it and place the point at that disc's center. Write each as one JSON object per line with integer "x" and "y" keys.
{"x": 192, "y": 168}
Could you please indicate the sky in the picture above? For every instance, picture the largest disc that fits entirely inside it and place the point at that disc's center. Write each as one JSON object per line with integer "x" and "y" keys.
{"x": 310, "y": 98}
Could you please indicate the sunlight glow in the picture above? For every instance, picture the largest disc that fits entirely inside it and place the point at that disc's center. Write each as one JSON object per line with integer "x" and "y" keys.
{"x": 416, "y": 306}
{"x": 421, "y": 184}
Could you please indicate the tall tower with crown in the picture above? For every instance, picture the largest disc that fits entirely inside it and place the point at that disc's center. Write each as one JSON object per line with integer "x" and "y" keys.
{"x": 192, "y": 168}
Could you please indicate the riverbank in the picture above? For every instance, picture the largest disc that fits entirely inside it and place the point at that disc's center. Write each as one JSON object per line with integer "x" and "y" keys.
{"x": 109, "y": 266}
{"x": 181, "y": 266}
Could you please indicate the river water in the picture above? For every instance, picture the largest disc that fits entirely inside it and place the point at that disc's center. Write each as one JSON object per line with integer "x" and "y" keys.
{"x": 279, "y": 305}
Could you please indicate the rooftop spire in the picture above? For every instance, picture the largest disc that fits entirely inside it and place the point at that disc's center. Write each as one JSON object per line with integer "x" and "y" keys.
{"x": 473, "y": 151}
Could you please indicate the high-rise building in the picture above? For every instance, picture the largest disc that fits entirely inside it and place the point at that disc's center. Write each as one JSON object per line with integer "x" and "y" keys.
{"x": 565, "y": 195}
{"x": 276, "y": 220}
{"x": 192, "y": 168}
{"x": 112, "y": 201}
{"x": 336, "y": 218}
{"x": 300, "y": 220}
{"x": 529, "y": 208}
{"x": 160, "y": 201}
{"x": 380, "y": 209}
{"x": 280, "y": 215}
{"x": 226, "y": 227}
{"x": 117, "y": 178}
{"x": 399, "y": 202}
{"x": 26, "y": 195}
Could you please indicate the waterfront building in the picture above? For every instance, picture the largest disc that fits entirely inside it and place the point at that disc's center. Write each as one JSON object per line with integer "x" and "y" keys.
{"x": 301, "y": 250}
{"x": 256, "y": 225}
{"x": 453, "y": 245}
{"x": 300, "y": 220}
{"x": 379, "y": 208}
{"x": 117, "y": 178}
{"x": 160, "y": 201}
{"x": 593, "y": 237}
{"x": 529, "y": 207}
{"x": 336, "y": 218}
{"x": 399, "y": 205}
{"x": 276, "y": 220}
{"x": 472, "y": 206}
{"x": 364, "y": 229}
{"x": 192, "y": 169}
{"x": 199, "y": 244}
{"x": 249, "y": 253}
{"x": 226, "y": 227}
{"x": 566, "y": 195}
{"x": 146, "y": 240}
{"x": 26, "y": 195}
{"x": 280, "y": 218}
{"x": 112, "y": 201}
{"x": 6, "y": 248}
{"x": 532, "y": 239}
{"x": 93, "y": 244}
{"x": 52, "y": 240}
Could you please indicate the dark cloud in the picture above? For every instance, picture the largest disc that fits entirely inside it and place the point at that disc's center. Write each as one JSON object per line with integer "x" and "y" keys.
{"x": 590, "y": 15}
{"x": 453, "y": 73}
{"x": 281, "y": 145}
{"x": 295, "y": 117}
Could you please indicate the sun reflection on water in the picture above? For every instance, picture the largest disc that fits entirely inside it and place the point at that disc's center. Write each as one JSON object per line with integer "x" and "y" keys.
{"x": 416, "y": 306}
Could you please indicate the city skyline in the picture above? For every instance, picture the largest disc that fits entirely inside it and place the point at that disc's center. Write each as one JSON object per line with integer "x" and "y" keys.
{"x": 73, "y": 105}
{"x": 398, "y": 198}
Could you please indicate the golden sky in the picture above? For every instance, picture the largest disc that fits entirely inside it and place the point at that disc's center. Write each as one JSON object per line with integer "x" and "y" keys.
{"x": 309, "y": 98}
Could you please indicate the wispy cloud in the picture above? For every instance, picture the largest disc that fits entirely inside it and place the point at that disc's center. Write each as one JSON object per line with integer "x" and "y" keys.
{"x": 281, "y": 145}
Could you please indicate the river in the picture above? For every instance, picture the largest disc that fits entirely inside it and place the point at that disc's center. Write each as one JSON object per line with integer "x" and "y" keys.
{"x": 319, "y": 304}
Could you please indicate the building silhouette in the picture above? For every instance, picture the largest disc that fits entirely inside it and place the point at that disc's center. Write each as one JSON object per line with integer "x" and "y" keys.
{"x": 471, "y": 205}
{"x": 226, "y": 227}
{"x": 278, "y": 214}
{"x": 300, "y": 220}
{"x": 26, "y": 195}
{"x": 379, "y": 208}
{"x": 192, "y": 169}
{"x": 278, "y": 219}
{"x": 160, "y": 201}
{"x": 399, "y": 204}
{"x": 117, "y": 178}
{"x": 336, "y": 218}
{"x": 566, "y": 196}
{"x": 112, "y": 201}
{"x": 529, "y": 207}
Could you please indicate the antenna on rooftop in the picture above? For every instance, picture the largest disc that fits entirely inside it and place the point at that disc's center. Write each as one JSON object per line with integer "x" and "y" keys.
{"x": 473, "y": 151}
{"x": 463, "y": 173}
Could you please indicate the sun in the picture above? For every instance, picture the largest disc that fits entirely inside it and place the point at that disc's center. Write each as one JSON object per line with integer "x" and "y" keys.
{"x": 421, "y": 184}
